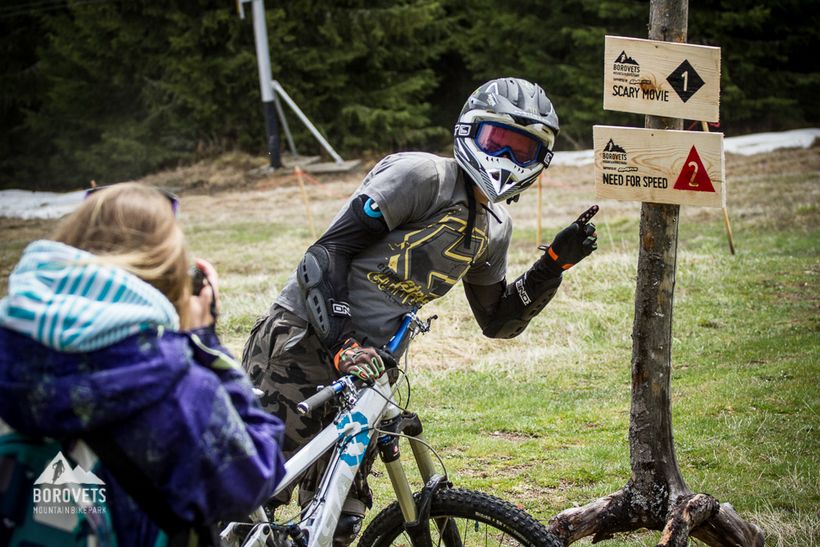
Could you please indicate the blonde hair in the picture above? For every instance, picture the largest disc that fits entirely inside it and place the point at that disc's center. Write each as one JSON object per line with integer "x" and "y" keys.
{"x": 133, "y": 226}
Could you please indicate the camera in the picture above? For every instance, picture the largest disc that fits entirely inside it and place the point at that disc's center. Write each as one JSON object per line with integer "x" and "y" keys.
{"x": 197, "y": 280}
{"x": 197, "y": 284}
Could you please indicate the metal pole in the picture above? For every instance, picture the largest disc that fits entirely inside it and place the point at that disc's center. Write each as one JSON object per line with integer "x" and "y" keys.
{"x": 285, "y": 126}
{"x": 280, "y": 90}
{"x": 260, "y": 32}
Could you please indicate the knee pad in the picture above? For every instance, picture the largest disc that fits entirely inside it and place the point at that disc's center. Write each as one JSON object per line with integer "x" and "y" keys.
{"x": 347, "y": 529}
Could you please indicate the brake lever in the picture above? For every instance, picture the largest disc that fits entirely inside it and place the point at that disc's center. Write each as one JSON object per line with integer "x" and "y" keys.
{"x": 424, "y": 326}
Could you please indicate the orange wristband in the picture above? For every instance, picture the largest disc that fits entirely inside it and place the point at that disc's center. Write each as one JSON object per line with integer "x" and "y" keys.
{"x": 350, "y": 343}
{"x": 555, "y": 258}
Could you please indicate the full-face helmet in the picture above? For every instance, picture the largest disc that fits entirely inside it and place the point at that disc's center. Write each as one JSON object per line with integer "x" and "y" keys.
{"x": 504, "y": 136}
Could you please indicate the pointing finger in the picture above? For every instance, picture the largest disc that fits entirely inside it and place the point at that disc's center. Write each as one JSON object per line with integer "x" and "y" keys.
{"x": 587, "y": 215}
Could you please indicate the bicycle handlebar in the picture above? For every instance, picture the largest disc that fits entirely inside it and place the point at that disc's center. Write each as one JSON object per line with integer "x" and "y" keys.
{"x": 320, "y": 398}
{"x": 329, "y": 392}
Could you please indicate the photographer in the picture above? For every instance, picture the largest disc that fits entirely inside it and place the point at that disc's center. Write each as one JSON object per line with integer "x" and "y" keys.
{"x": 104, "y": 346}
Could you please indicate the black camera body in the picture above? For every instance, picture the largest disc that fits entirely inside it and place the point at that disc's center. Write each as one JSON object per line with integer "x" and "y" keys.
{"x": 197, "y": 281}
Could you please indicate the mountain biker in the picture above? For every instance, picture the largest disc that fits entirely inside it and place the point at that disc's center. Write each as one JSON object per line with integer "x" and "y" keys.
{"x": 417, "y": 225}
{"x": 104, "y": 346}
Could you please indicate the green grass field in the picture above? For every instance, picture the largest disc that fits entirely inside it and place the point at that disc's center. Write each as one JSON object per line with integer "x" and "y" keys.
{"x": 542, "y": 420}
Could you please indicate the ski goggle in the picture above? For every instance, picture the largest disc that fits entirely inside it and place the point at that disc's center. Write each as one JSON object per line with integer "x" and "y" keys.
{"x": 172, "y": 198}
{"x": 497, "y": 139}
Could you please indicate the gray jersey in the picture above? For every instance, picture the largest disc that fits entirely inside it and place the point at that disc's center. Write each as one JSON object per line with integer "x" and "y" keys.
{"x": 424, "y": 202}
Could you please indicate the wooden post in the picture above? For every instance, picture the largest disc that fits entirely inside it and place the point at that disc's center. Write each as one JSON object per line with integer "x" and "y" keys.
{"x": 656, "y": 496}
{"x": 650, "y": 431}
{"x": 726, "y": 222}
{"x": 299, "y": 177}
{"x": 728, "y": 226}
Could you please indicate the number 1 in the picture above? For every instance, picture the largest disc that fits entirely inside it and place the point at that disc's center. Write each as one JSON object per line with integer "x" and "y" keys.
{"x": 685, "y": 79}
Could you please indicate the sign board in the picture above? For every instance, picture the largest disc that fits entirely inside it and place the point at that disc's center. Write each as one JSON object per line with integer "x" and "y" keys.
{"x": 662, "y": 78}
{"x": 659, "y": 166}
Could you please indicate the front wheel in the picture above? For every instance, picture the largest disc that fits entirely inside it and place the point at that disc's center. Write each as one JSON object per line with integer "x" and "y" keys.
{"x": 462, "y": 518}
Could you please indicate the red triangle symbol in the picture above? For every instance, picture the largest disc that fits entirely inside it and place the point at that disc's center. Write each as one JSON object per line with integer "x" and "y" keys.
{"x": 693, "y": 176}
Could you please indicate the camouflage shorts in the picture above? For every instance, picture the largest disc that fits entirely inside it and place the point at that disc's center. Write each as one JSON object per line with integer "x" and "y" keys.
{"x": 287, "y": 361}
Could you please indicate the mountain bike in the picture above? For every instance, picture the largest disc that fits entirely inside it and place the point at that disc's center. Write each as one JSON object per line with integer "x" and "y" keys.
{"x": 437, "y": 515}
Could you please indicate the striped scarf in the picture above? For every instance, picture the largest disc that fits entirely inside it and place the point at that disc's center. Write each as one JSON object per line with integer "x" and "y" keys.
{"x": 63, "y": 300}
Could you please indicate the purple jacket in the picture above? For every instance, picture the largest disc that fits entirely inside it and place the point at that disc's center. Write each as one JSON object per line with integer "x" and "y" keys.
{"x": 186, "y": 417}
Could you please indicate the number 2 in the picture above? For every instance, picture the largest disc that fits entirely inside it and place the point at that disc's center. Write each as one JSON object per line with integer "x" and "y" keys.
{"x": 694, "y": 167}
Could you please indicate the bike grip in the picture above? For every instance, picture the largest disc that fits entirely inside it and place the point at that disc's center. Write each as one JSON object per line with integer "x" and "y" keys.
{"x": 587, "y": 215}
{"x": 315, "y": 401}
{"x": 387, "y": 358}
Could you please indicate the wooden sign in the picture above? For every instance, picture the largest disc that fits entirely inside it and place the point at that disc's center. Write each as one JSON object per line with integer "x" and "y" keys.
{"x": 659, "y": 166}
{"x": 662, "y": 78}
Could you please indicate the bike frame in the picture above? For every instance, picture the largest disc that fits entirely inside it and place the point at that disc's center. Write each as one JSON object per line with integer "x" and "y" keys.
{"x": 350, "y": 435}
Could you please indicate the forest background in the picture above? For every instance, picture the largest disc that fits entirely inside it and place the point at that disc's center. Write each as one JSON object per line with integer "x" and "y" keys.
{"x": 112, "y": 89}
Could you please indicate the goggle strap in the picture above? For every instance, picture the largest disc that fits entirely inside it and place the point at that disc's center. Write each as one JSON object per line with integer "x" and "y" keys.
{"x": 466, "y": 130}
{"x": 545, "y": 156}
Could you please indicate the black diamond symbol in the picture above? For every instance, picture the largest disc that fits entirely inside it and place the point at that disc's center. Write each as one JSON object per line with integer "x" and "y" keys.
{"x": 685, "y": 81}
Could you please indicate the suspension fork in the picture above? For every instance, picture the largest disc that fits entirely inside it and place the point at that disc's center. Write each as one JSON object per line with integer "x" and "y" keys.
{"x": 411, "y": 426}
{"x": 416, "y": 513}
{"x": 421, "y": 452}
{"x": 390, "y": 454}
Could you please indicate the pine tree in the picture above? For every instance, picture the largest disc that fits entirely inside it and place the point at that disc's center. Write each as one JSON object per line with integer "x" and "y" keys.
{"x": 20, "y": 93}
{"x": 133, "y": 87}
{"x": 362, "y": 69}
{"x": 770, "y": 76}
{"x": 560, "y": 48}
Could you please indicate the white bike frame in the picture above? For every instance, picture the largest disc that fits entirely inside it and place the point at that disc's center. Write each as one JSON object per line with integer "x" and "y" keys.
{"x": 351, "y": 433}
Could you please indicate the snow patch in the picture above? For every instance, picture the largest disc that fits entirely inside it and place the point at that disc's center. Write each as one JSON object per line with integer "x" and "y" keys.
{"x": 28, "y": 205}
{"x": 746, "y": 145}
{"x": 767, "y": 142}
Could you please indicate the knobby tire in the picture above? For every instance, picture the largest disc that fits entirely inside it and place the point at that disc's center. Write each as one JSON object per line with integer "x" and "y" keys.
{"x": 481, "y": 519}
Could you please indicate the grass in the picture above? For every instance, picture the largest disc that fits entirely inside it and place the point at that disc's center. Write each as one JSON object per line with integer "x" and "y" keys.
{"x": 542, "y": 420}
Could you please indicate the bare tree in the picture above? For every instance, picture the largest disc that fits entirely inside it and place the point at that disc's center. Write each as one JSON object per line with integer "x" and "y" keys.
{"x": 656, "y": 496}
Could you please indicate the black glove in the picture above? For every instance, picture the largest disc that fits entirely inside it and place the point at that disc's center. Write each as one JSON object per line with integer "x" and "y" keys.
{"x": 572, "y": 244}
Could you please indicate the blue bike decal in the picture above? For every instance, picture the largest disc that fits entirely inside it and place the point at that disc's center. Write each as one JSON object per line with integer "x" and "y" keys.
{"x": 355, "y": 445}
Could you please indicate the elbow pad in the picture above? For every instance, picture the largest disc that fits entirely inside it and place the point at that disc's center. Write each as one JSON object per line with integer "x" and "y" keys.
{"x": 518, "y": 306}
{"x": 329, "y": 317}
{"x": 519, "y": 303}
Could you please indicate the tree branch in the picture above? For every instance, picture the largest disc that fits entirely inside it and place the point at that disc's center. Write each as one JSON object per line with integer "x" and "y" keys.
{"x": 600, "y": 518}
{"x": 727, "y": 529}
{"x": 688, "y": 512}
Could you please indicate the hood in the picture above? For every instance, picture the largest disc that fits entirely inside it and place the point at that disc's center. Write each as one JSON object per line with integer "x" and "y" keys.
{"x": 63, "y": 299}
{"x": 82, "y": 344}
{"x": 45, "y": 392}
